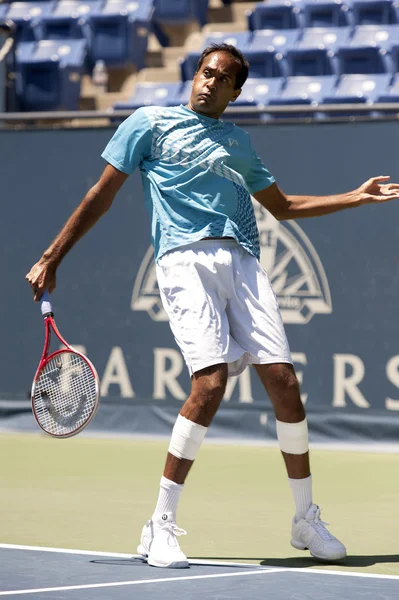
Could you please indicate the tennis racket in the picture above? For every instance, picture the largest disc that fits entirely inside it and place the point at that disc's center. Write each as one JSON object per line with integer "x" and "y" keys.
{"x": 65, "y": 390}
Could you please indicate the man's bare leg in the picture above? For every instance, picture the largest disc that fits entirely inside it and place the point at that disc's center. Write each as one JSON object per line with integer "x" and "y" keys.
{"x": 207, "y": 389}
{"x": 159, "y": 536}
{"x": 282, "y": 387}
{"x": 308, "y": 531}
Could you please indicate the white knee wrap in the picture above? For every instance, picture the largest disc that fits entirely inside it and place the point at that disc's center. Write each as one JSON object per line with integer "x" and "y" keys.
{"x": 293, "y": 437}
{"x": 187, "y": 438}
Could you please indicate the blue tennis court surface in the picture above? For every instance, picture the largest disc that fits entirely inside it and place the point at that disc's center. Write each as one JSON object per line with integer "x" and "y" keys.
{"x": 55, "y": 574}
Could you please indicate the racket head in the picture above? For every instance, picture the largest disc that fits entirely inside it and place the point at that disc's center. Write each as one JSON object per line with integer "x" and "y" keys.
{"x": 65, "y": 393}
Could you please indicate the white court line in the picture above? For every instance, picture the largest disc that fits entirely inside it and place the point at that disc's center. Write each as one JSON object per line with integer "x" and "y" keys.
{"x": 64, "y": 550}
{"x": 203, "y": 562}
{"x": 136, "y": 582}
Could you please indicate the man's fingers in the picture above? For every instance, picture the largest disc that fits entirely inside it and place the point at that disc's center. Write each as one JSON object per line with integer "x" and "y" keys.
{"x": 391, "y": 187}
{"x": 385, "y": 198}
{"x": 380, "y": 178}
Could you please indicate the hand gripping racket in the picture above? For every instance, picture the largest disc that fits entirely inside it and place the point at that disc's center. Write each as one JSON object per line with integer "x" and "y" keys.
{"x": 65, "y": 390}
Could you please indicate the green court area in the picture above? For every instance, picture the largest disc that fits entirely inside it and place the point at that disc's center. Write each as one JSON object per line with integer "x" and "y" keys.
{"x": 95, "y": 494}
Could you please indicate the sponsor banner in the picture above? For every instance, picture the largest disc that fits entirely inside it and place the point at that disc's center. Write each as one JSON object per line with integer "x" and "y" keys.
{"x": 335, "y": 277}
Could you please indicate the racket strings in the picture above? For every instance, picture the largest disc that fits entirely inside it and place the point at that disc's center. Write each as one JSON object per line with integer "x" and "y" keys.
{"x": 65, "y": 393}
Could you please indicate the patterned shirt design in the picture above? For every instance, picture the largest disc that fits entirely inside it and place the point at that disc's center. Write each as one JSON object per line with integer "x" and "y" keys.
{"x": 198, "y": 175}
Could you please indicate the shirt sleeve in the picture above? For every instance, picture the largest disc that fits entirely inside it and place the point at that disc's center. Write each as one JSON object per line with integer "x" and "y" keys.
{"x": 258, "y": 177}
{"x": 130, "y": 144}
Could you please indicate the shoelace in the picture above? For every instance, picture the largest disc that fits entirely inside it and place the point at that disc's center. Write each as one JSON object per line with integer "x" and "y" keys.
{"x": 320, "y": 526}
{"x": 173, "y": 531}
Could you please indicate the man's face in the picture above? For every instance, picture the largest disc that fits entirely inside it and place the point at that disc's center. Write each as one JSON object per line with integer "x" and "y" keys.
{"x": 213, "y": 85}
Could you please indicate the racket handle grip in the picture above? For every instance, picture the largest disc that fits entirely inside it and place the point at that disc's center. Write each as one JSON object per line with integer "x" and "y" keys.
{"x": 45, "y": 304}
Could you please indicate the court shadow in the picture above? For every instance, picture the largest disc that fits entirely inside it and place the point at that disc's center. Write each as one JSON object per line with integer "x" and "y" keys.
{"x": 303, "y": 562}
{"x": 135, "y": 561}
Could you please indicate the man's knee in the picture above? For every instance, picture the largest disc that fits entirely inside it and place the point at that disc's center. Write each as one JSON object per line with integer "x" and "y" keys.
{"x": 282, "y": 377}
{"x": 283, "y": 388}
{"x": 209, "y": 384}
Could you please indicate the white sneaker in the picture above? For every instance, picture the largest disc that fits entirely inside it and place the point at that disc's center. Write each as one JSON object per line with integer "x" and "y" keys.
{"x": 159, "y": 543}
{"x": 311, "y": 533}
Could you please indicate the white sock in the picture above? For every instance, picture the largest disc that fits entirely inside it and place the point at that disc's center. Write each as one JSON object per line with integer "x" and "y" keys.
{"x": 168, "y": 499}
{"x": 302, "y": 492}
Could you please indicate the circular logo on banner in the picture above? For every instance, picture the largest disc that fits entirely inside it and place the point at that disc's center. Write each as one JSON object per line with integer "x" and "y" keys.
{"x": 287, "y": 255}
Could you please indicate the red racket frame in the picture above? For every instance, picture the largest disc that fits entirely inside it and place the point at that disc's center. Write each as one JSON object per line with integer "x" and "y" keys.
{"x": 49, "y": 324}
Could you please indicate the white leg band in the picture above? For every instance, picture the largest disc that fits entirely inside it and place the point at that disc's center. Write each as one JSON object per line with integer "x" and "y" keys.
{"x": 293, "y": 437}
{"x": 187, "y": 438}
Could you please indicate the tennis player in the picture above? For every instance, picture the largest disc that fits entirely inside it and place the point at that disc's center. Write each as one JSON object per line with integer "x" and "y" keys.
{"x": 198, "y": 174}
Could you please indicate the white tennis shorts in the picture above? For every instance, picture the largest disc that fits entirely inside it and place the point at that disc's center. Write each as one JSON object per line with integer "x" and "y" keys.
{"x": 221, "y": 306}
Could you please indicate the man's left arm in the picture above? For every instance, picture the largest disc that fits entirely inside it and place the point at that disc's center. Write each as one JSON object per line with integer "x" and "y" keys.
{"x": 283, "y": 207}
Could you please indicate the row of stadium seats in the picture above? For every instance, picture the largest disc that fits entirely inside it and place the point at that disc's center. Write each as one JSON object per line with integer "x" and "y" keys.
{"x": 291, "y": 14}
{"x": 312, "y": 51}
{"x": 49, "y": 75}
{"x": 115, "y": 31}
{"x": 380, "y": 36}
{"x": 49, "y": 72}
{"x": 314, "y": 91}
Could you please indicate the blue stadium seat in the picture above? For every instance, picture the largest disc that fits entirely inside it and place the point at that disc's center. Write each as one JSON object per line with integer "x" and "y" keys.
{"x": 359, "y": 89}
{"x": 119, "y": 32}
{"x": 152, "y": 94}
{"x": 265, "y": 63}
{"x": 255, "y": 93}
{"x": 394, "y": 57}
{"x": 325, "y": 37}
{"x": 275, "y": 14}
{"x": 240, "y": 39}
{"x": 381, "y": 36}
{"x": 188, "y": 65}
{"x": 3, "y": 11}
{"x": 306, "y": 90}
{"x": 185, "y": 92}
{"x": 174, "y": 13}
{"x": 201, "y": 11}
{"x": 362, "y": 60}
{"x": 325, "y": 13}
{"x": 392, "y": 93}
{"x": 49, "y": 74}
{"x": 309, "y": 62}
{"x": 68, "y": 19}
{"x": 177, "y": 12}
{"x": 374, "y": 12}
{"x": 26, "y": 16}
{"x": 303, "y": 91}
{"x": 280, "y": 40}
{"x": 259, "y": 91}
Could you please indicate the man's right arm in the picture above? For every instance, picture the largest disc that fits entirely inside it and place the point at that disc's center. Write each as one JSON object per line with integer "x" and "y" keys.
{"x": 96, "y": 203}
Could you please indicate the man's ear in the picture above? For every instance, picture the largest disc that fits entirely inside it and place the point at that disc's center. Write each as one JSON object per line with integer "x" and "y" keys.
{"x": 235, "y": 95}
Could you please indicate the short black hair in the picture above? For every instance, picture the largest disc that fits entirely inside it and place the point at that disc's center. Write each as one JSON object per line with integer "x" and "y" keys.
{"x": 241, "y": 75}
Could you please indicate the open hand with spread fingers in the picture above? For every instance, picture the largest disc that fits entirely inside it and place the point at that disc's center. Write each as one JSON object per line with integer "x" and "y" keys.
{"x": 377, "y": 189}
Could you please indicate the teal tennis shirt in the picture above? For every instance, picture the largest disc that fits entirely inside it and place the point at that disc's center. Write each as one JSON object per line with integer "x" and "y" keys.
{"x": 197, "y": 172}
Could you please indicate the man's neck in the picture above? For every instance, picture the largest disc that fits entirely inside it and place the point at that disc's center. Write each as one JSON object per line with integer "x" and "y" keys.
{"x": 213, "y": 116}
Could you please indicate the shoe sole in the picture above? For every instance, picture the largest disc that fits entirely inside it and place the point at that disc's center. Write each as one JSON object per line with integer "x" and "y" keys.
{"x": 142, "y": 551}
{"x": 183, "y": 564}
{"x": 300, "y": 546}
